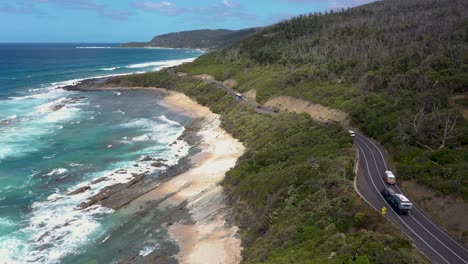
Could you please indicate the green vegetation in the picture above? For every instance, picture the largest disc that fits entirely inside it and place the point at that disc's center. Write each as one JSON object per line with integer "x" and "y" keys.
{"x": 292, "y": 190}
{"x": 197, "y": 39}
{"x": 391, "y": 64}
{"x": 462, "y": 101}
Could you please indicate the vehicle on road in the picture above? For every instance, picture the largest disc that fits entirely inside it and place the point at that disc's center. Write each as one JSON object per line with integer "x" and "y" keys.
{"x": 238, "y": 95}
{"x": 389, "y": 178}
{"x": 352, "y": 133}
{"x": 398, "y": 201}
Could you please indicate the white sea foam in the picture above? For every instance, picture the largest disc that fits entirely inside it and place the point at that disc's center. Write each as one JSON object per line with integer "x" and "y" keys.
{"x": 105, "y": 239}
{"x": 119, "y": 112}
{"x": 109, "y": 69}
{"x": 165, "y": 132}
{"x": 8, "y": 119}
{"x": 141, "y": 138}
{"x": 49, "y": 156}
{"x": 56, "y": 227}
{"x": 188, "y": 51}
{"x": 58, "y": 221}
{"x": 163, "y": 118}
{"x": 97, "y": 47}
{"x": 144, "y": 65}
{"x": 4, "y": 221}
{"x": 145, "y": 251}
{"x": 166, "y": 63}
{"x": 58, "y": 171}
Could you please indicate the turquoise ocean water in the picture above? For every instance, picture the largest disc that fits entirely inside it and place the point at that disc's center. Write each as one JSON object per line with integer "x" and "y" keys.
{"x": 53, "y": 142}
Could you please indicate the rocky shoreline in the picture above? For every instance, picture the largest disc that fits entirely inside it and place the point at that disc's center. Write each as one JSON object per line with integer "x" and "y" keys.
{"x": 183, "y": 201}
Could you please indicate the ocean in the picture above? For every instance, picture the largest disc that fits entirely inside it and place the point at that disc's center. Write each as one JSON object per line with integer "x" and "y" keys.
{"x": 56, "y": 144}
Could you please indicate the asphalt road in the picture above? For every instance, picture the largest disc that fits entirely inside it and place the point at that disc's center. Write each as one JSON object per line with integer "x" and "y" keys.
{"x": 258, "y": 107}
{"x": 434, "y": 242}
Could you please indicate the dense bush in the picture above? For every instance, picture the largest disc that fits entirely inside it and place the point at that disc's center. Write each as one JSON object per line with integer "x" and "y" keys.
{"x": 393, "y": 65}
{"x": 292, "y": 191}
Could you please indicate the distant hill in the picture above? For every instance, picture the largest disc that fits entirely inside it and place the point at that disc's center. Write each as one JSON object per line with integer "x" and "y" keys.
{"x": 210, "y": 39}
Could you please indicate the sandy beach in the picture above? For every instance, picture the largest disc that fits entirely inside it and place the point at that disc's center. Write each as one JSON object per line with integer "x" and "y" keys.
{"x": 209, "y": 237}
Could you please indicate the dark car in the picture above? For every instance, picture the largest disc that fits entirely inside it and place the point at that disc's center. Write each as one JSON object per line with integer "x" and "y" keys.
{"x": 387, "y": 193}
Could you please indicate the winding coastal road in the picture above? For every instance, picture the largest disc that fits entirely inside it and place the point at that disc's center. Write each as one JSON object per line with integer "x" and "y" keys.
{"x": 434, "y": 242}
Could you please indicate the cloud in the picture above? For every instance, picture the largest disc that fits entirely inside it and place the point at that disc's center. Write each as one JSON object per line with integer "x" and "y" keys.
{"x": 164, "y": 7}
{"x": 333, "y": 3}
{"x": 231, "y": 4}
{"x": 220, "y": 11}
{"x": 87, "y": 5}
{"x": 20, "y": 8}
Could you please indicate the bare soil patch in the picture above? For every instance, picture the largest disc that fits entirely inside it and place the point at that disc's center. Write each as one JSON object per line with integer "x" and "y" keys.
{"x": 316, "y": 111}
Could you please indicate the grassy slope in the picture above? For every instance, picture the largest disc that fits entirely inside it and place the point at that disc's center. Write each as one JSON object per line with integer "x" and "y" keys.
{"x": 292, "y": 189}
{"x": 386, "y": 64}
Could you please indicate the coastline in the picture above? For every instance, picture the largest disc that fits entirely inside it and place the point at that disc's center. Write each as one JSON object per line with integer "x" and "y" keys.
{"x": 205, "y": 234}
{"x": 211, "y": 239}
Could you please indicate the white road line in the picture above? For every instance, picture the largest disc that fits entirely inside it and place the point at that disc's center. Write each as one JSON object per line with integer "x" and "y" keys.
{"x": 432, "y": 223}
{"x": 429, "y": 232}
{"x": 357, "y": 190}
{"x": 385, "y": 201}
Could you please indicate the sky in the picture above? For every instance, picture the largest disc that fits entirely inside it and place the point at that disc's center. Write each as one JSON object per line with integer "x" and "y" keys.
{"x": 118, "y": 21}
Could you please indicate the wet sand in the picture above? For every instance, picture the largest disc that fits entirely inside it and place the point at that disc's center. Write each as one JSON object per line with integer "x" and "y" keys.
{"x": 208, "y": 237}
{"x": 211, "y": 239}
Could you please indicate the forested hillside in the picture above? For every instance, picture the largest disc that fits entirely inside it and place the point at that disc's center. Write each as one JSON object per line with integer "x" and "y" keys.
{"x": 292, "y": 191}
{"x": 210, "y": 39}
{"x": 393, "y": 65}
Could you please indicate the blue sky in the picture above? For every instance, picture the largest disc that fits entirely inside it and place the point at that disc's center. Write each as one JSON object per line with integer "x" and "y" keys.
{"x": 140, "y": 20}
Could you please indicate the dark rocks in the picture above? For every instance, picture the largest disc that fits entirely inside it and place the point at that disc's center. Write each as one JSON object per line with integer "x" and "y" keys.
{"x": 94, "y": 199}
{"x": 157, "y": 164}
{"x": 137, "y": 178}
{"x": 146, "y": 158}
{"x": 79, "y": 190}
{"x": 57, "y": 107}
{"x": 100, "y": 180}
{"x": 43, "y": 235}
{"x": 72, "y": 100}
